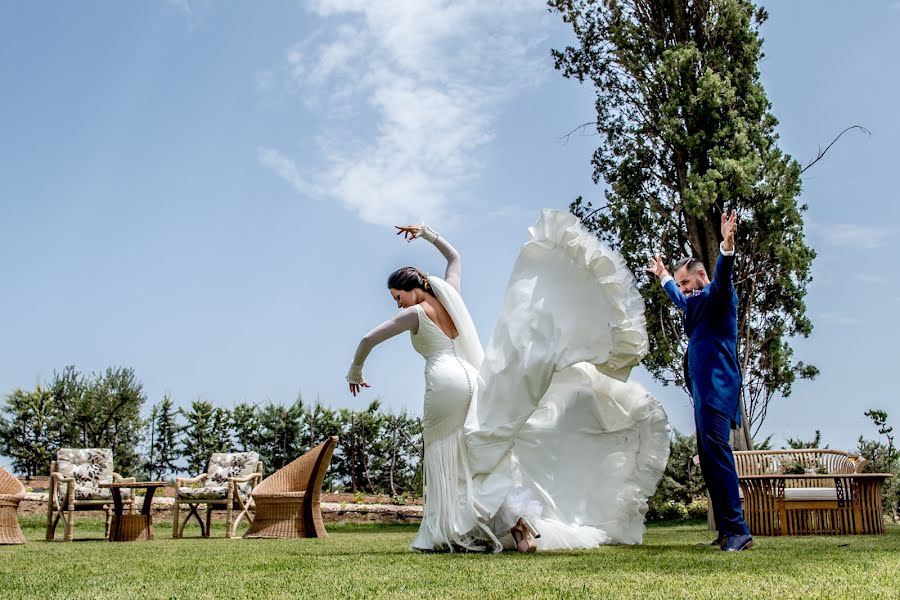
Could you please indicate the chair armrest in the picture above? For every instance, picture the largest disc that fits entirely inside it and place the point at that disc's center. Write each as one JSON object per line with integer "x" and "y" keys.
{"x": 246, "y": 478}
{"x": 57, "y": 478}
{"x": 118, "y": 478}
{"x": 860, "y": 463}
{"x": 182, "y": 481}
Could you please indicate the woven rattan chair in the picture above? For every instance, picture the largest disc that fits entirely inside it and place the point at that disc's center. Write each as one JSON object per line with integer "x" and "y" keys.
{"x": 75, "y": 478}
{"x": 226, "y": 485}
{"x": 11, "y": 493}
{"x": 287, "y": 501}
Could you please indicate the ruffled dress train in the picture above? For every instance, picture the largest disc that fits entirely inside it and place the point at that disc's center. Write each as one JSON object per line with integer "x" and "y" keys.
{"x": 544, "y": 424}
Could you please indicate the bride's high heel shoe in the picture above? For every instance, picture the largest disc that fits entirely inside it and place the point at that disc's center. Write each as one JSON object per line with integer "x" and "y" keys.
{"x": 529, "y": 527}
{"x": 522, "y": 533}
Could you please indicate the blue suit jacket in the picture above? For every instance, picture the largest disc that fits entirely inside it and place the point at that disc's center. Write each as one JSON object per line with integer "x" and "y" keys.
{"x": 710, "y": 322}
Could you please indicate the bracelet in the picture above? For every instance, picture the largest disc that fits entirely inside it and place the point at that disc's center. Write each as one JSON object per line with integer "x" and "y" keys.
{"x": 428, "y": 234}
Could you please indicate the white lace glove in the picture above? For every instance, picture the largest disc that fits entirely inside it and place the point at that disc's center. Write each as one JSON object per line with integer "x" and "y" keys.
{"x": 355, "y": 375}
{"x": 428, "y": 234}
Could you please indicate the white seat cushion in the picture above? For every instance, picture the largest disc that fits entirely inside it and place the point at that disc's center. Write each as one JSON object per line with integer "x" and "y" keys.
{"x": 817, "y": 493}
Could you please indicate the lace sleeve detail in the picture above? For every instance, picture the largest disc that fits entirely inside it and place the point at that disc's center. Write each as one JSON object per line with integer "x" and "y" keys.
{"x": 453, "y": 274}
{"x": 405, "y": 320}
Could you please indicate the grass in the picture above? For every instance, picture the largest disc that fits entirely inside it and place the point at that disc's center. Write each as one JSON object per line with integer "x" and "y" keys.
{"x": 372, "y": 561}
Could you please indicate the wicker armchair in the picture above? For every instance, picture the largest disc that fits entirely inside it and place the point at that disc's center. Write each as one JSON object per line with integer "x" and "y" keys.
{"x": 11, "y": 493}
{"x": 287, "y": 502}
{"x": 75, "y": 478}
{"x": 226, "y": 485}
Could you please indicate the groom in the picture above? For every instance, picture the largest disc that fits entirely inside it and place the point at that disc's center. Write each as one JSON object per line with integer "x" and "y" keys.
{"x": 710, "y": 322}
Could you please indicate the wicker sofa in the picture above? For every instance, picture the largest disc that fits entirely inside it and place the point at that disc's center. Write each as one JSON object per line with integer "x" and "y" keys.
{"x": 809, "y": 492}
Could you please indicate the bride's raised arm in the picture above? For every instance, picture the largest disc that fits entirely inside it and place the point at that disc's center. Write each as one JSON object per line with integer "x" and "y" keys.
{"x": 405, "y": 320}
{"x": 453, "y": 274}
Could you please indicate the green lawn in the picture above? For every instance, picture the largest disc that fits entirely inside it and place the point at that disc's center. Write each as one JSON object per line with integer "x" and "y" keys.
{"x": 372, "y": 561}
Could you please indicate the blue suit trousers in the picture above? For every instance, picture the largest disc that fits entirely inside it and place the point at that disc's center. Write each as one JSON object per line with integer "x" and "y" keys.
{"x": 717, "y": 464}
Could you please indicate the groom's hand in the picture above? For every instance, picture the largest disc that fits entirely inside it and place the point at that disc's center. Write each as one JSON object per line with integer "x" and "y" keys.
{"x": 729, "y": 225}
{"x": 656, "y": 265}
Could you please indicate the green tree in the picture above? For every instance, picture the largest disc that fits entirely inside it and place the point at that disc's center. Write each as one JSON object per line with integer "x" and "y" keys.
{"x": 403, "y": 464}
{"x": 319, "y": 423}
{"x": 884, "y": 457}
{"x": 29, "y": 432}
{"x": 163, "y": 451}
{"x": 280, "y": 433}
{"x": 798, "y": 444}
{"x": 370, "y": 449}
{"x": 202, "y": 434}
{"x": 687, "y": 133}
{"x": 67, "y": 389}
{"x": 101, "y": 411}
{"x": 681, "y": 481}
{"x": 245, "y": 427}
{"x": 359, "y": 455}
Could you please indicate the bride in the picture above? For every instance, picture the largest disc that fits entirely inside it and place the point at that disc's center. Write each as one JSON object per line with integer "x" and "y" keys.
{"x": 538, "y": 443}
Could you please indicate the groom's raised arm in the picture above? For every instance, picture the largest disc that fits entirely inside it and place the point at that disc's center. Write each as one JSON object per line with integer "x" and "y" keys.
{"x": 668, "y": 284}
{"x": 722, "y": 284}
{"x": 658, "y": 268}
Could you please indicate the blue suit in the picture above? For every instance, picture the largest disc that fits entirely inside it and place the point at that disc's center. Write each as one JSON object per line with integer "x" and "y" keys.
{"x": 710, "y": 322}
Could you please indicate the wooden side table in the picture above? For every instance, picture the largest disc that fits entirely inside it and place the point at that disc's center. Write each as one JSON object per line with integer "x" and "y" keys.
{"x": 132, "y": 527}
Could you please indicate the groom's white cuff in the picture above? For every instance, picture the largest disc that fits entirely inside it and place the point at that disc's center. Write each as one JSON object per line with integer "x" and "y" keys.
{"x": 666, "y": 280}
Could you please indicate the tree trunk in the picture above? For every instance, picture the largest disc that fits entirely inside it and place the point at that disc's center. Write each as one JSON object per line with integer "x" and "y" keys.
{"x": 393, "y": 462}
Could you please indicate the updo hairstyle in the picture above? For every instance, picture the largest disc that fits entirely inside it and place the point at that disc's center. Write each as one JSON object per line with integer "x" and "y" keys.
{"x": 408, "y": 279}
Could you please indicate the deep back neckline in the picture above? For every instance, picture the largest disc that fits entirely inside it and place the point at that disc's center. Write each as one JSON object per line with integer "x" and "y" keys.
{"x": 436, "y": 326}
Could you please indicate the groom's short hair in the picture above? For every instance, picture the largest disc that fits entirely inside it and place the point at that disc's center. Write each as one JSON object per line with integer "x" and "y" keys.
{"x": 690, "y": 263}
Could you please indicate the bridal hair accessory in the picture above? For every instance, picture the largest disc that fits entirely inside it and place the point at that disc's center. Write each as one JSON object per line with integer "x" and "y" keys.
{"x": 355, "y": 375}
{"x": 428, "y": 234}
{"x": 423, "y": 278}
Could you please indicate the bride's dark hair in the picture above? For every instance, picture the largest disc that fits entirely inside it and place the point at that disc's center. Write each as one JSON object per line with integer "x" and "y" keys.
{"x": 408, "y": 279}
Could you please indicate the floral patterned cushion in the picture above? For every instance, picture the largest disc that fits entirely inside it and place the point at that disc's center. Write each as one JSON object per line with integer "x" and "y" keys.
{"x": 202, "y": 493}
{"x": 223, "y": 465}
{"x": 89, "y": 467}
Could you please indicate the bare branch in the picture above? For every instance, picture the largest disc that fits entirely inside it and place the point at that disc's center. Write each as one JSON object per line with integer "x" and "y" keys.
{"x": 581, "y": 128}
{"x": 828, "y": 147}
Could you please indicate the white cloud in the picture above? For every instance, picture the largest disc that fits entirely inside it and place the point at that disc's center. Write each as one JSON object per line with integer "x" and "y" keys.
{"x": 860, "y": 236}
{"x": 407, "y": 93}
{"x": 286, "y": 169}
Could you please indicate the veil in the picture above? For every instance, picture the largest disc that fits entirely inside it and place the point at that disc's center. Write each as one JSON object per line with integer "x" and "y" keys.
{"x": 467, "y": 341}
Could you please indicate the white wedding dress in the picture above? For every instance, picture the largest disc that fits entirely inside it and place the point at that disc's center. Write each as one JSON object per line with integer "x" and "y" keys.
{"x": 543, "y": 424}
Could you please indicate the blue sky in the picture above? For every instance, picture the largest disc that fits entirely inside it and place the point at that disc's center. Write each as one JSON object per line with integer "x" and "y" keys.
{"x": 204, "y": 190}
